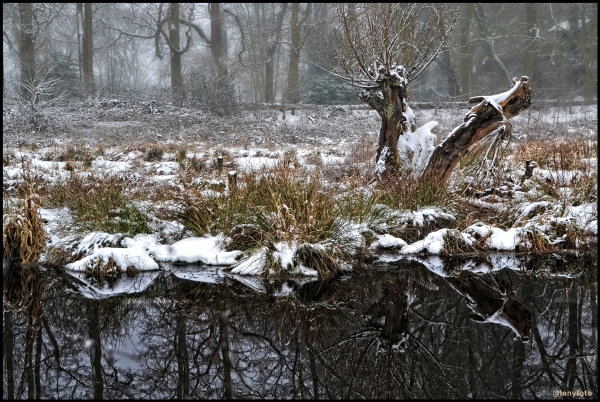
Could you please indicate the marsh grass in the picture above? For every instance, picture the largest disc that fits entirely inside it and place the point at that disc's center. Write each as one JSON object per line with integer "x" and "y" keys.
{"x": 558, "y": 154}
{"x": 281, "y": 203}
{"x": 99, "y": 202}
{"x": 101, "y": 271}
{"x": 365, "y": 208}
{"x": 154, "y": 154}
{"x": 454, "y": 244}
{"x": 248, "y": 237}
{"x": 324, "y": 261}
{"x": 76, "y": 153}
{"x": 23, "y": 234}
{"x": 412, "y": 194}
{"x": 535, "y": 241}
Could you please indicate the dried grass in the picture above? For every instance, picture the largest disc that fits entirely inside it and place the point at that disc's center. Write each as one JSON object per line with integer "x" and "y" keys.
{"x": 23, "y": 235}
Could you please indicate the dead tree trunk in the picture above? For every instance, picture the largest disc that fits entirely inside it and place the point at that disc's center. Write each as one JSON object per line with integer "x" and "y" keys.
{"x": 390, "y": 103}
{"x": 489, "y": 116}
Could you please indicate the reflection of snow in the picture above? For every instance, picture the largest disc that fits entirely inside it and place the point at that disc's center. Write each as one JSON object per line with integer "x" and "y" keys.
{"x": 123, "y": 285}
{"x": 205, "y": 274}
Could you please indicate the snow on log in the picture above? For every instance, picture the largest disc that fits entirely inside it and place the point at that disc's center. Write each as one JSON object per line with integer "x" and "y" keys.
{"x": 490, "y": 114}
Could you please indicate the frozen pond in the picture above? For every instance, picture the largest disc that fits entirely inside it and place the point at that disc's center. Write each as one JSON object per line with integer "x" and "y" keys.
{"x": 405, "y": 329}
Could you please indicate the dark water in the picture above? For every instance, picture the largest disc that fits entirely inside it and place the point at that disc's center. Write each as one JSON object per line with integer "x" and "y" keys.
{"x": 401, "y": 330}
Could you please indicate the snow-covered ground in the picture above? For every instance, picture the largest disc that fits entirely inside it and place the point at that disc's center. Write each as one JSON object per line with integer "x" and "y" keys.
{"x": 323, "y": 139}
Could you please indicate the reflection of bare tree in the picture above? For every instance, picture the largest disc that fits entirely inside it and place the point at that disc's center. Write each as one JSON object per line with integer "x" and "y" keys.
{"x": 23, "y": 289}
{"x": 348, "y": 338}
{"x": 94, "y": 346}
{"x": 391, "y": 314}
{"x": 517, "y": 368}
{"x": 489, "y": 304}
{"x": 183, "y": 357}
{"x": 224, "y": 345}
{"x": 8, "y": 341}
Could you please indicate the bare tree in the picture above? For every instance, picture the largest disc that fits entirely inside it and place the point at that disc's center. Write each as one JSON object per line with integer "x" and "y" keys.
{"x": 151, "y": 26}
{"x": 260, "y": 25}
{"x": 271, "y": 47}
{"x": 84, "y": 12}
{"x": 27, "y": 46}
{"x": 386, "y": 47}
{"x": 297, "y": 42}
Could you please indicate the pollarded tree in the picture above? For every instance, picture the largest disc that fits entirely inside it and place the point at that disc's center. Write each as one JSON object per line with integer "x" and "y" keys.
{"x": 385, "y": 47}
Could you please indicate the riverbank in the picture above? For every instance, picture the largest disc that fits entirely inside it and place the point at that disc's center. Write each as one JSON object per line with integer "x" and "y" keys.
{"x": 264, "y": 195}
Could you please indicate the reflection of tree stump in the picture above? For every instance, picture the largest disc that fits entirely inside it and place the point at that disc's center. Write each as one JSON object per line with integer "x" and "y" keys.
{"x": 490, "y": 305}
{"x": 396, "y": 320}
{"x": 393, "y": 308}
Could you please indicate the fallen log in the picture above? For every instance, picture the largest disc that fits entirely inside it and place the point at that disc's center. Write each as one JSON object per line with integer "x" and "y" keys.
{"x": 489, "y": 116}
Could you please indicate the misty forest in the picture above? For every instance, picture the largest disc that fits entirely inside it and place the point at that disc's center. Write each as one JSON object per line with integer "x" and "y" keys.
{"x": 311, "y": 200}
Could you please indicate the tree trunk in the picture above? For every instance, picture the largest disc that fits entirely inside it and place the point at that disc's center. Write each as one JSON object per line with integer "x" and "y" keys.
{"x": 218, "y": 39}
{"x": 27, "y": 50}
{"x": 88, "y": 51}
{"x": 589, "y": 44}
{"x": 446, "y": 62}
{"x": 293, "y": 85}
{"x": 488, "y": 45}
{"x": 466, "y": 57}
{"x": 269, "y": 96}
{"x": 218, "y": 47}
{"x": 177, "y": 85}
{"x": 483, "y": 119}
{"x": 531, "y": 47}
{"x": 391, "y": 108}
{"x": 270, "y": 54}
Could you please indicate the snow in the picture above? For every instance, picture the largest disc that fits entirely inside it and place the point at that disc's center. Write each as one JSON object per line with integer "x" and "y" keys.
{"x": 386, "y": 241}
{"x": 503, "y": 240}
{"x": 252, "y": 266}
{"x": 136, "y": 257}
{"x": 422, "y": 215}
{"x": 254, "y": 163}
{"x": 207, "y": 250}
{"x": 416, "y": 148}
{"x": 211, "y": 262}
{"x": 433, "y": 243}
{"x": 285, "y": 254}
{"x": 110, "y": 166}
{"x": 497, "y": 100}
{"x": 558, "y": 177}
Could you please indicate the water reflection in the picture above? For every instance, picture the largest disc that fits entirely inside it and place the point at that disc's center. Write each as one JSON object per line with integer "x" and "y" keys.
{"x": 413, "y": 328}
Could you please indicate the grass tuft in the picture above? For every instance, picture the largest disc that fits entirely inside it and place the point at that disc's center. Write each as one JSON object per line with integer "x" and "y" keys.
{"x": 23, "y": 234}
{"x": 99, "y": 202}
{"x": 315, "y": 256}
